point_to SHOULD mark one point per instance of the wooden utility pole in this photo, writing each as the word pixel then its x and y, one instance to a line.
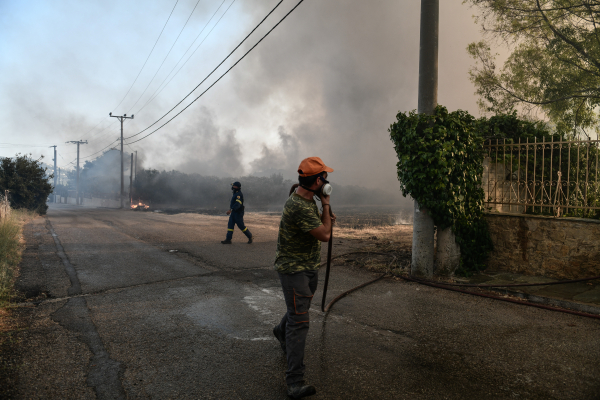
pixel 136 165
pixel 78 142
pixel 121 118
pixel 131 181
pixel 423 227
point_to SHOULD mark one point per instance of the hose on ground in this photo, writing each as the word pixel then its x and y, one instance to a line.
pixel 448 287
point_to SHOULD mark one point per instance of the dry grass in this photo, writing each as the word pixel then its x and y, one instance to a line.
pixel 11 247
pixel 4 208
pixel 387 247
pixel 401 234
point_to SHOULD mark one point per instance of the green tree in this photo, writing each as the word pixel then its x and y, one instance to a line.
pixel 554 64
pixel 27 182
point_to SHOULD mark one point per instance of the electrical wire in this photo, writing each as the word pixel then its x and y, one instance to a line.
pixel 134 81
pixel 111 143
pixel 96 135
pixel 147 58
pixel 161 87
pixel 207 76
pixel 165 59
pixel 91 155
pixel 7 145
pixel 214 83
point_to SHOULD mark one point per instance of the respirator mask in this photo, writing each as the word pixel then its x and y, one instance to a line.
pixel 325 190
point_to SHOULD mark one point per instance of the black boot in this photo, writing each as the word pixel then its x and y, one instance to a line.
pixel 280 336
pixel 250 239
pixel 299 390
pixel 226 241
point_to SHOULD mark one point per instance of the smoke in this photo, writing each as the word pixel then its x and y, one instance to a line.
pixel 280 159
pixel 205 147
pixel 101 177
pixel 327 82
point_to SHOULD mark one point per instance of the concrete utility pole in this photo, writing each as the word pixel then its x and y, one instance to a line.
pixel 78 142
pixel 54 159
pixel 121 118
pixel 423 228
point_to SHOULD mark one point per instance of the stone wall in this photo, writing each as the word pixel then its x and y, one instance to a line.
pixel 561 248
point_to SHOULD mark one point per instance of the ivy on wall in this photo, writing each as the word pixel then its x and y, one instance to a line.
pixel 440 164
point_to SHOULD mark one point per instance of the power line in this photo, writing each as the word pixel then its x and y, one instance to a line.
pixel 105 128
pixel 225 59
pixel 6 145
pixel 111 143
pixel 136 78
pixel 147 58
pixel 91 155
pixel 161 87
pixel 165 59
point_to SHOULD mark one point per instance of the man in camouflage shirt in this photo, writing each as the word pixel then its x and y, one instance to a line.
pixel 301 231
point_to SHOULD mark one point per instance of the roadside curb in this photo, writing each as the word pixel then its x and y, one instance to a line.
pixel 549 301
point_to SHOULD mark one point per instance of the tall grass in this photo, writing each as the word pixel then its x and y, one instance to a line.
pixel 11 224
pixel 10 255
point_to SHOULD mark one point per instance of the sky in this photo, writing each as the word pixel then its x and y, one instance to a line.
pixel 327 81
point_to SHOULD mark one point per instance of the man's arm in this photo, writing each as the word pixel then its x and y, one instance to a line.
pixel 236 204
pixel 323 232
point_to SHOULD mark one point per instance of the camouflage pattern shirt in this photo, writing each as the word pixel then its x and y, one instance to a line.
pixel 297 249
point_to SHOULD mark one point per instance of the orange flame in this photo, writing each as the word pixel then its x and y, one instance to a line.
pixel 139 206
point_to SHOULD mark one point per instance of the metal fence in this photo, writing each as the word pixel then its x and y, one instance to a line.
pixel 548 177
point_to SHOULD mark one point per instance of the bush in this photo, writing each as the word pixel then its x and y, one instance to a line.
pixel 26 181
pixel 440 164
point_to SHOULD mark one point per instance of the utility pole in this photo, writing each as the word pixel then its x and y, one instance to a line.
pixel 131 180
pixel 78 142
pixel 423 227
pixel 54 159
pixel 121 118
pixel 136 165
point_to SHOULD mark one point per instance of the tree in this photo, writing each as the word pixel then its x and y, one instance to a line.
pixel 27 182
pixel 554 66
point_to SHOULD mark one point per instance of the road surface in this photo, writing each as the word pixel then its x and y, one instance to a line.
pixel 148 305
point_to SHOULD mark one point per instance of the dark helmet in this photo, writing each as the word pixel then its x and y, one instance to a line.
pixel 236 184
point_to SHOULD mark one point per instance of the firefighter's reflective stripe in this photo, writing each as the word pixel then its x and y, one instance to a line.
pixel 231 230
pixel 239 201
pixel 244 229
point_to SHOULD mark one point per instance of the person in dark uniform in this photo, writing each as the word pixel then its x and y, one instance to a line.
pixel 236 214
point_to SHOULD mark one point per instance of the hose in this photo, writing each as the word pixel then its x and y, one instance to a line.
pixel 477 285
pixel 447 287
pixel 429 283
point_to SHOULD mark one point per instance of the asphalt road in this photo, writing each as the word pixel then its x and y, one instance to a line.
pixel 148 305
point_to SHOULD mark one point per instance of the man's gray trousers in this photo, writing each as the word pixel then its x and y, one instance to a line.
pixel 298 290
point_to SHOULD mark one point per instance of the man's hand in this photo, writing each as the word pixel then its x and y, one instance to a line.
pixel 228 212
pixel 333 218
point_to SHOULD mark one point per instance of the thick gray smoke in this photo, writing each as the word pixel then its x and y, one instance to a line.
pixel 283 159
pixel 333 76
pixel 327 82
pixel 204 147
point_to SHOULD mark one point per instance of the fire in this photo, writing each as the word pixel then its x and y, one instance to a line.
pixel 139 206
